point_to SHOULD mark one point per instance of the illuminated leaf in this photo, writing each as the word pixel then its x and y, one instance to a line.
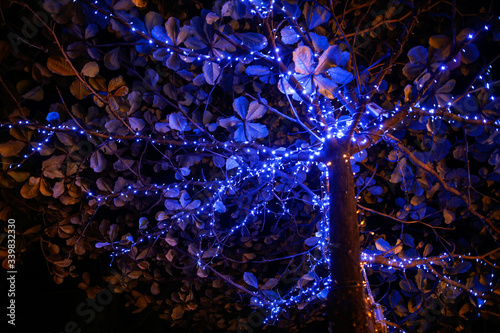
pixel 382 245
pixel 90 69
pixel 60 65
pixel 303 58
pixel 79 90
pixel 31 188
pixel 250 279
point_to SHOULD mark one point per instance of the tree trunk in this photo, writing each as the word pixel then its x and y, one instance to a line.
pixel 346 307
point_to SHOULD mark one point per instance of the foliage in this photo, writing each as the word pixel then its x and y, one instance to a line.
pixel 187 150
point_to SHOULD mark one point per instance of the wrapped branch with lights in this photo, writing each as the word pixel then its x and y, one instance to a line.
pixel 302 158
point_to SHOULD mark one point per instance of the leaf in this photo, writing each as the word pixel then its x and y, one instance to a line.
pixel 302 57
pixel 171 192
pixel 255 111
pixel 320 43
pixel 382 245
pixel 123 164
pixel 340 76
pixel 91 30
pixel 251 280
pixel 35 94
pixel 256 70
pixel 219 207
pixel 31 188
pixel 240 106
pixel 98 162
pixel 289 35
pixel 58 189
pixel 325 86
pixel 178 122
pixel 439 41
pixel 178 312
pixel 375 190
pixel 79 90
pixel 136 124
pixel 252 40
pixel 420 279
pixel 11 148
pixel 332 56
pixel 311 241
pixel 151 77
pixel 52 167
pixel 394 298
pixel 211 71
pixel 470 53
pixel 152 19
pixel 427 250
pixel 228 122
pixel 116 83
pixel 60 65
pixel 219 161
pixel 91 69
pixel 270 283
pixel 112 59
pixel 449 216
pixel 172 204
pixel 250 131
pixel 408 240
pixel 315 15
pixel 19 176
pixel 459 267
pixel 140 3
pixel 231 163
pixel 418 55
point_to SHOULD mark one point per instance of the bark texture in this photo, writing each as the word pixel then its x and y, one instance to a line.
pixel 346 307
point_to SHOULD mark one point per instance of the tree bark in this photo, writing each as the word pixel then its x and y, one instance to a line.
pixel 346 307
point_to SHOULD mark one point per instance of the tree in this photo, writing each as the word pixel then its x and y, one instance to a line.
pixel 314 157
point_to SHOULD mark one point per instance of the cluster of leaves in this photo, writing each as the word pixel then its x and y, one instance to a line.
pixel 165 140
